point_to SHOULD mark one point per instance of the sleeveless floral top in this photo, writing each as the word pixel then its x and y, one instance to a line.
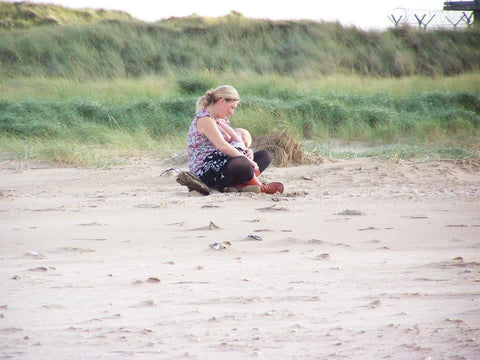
pixel 199 146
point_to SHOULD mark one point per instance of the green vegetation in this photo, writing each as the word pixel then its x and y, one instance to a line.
pixel 25 14
pixel 98 93
pixel 100 121
pixel 115 49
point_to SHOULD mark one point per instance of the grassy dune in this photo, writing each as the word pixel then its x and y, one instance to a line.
pixel 98 93
pixel 115 49
pixel 24 15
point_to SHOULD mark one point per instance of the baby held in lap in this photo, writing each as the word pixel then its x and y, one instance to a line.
pixel 245 136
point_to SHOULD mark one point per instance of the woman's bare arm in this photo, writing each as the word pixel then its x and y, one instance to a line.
pixel 207 127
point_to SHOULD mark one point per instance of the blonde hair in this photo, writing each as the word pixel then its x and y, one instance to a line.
pixel 212 96
pixel 245 135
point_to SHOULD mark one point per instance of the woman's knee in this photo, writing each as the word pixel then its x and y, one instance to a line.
pixel 263 155
pixel 240 168
pixel 263 158
pixel 242 162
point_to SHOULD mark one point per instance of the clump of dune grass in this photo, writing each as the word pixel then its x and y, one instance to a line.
pixel 284 147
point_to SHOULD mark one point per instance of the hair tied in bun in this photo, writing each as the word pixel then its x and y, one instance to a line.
pixel 209 96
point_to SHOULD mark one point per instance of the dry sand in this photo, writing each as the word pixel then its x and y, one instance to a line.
pixel 359 259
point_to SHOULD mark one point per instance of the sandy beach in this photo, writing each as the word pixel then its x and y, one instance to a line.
pixel 358 259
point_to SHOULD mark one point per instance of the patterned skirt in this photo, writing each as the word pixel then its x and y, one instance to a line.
pixel 214 171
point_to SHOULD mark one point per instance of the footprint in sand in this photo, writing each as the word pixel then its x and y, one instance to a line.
pixel 150 280
pixel 150 206
pixel 316 242
pixel 181 223
pixel 146 303
pixel 10 330
pixel 368 228
pixel 273 208
pixel 93 223
pixel 42 269
pixel 253 220
pixel 73 249
pixel 416 217
pixel 53 306
pixel 324 256
pixel 374 304
pixel 349 212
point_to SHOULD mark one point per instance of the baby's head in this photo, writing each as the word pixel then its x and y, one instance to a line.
pixel 245 135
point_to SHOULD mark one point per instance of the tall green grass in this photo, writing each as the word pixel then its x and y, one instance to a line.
pixel 113 49
pixel 121 90
pixel 61 120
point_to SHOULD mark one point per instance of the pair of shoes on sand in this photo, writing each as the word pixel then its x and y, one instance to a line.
pixel 268 188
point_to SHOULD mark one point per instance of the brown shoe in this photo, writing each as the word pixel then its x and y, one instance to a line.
pixel 272 188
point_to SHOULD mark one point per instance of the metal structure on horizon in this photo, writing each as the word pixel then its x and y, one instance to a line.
pixel 455 15
pixel 464 6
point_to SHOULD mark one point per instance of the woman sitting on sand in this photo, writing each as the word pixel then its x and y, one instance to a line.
pixel 216 153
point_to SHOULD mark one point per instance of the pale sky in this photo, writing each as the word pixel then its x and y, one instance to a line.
pixel 366 14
